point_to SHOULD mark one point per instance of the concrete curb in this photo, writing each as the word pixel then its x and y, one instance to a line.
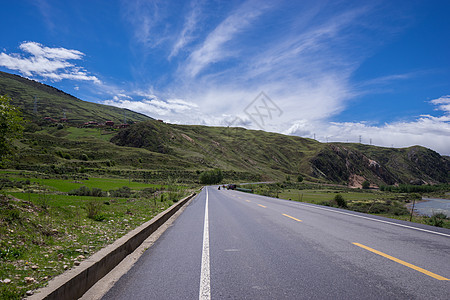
pixel 75 282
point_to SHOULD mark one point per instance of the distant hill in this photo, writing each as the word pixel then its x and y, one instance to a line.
pixel 153 149
pixel 53 103
pixel 273 155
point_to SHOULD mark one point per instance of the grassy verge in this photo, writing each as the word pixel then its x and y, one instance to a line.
pixel 43 234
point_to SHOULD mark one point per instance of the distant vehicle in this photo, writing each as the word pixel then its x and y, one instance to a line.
pixel 231 187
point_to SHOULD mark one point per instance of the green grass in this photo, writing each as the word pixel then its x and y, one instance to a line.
pixel 53 102
pixel 66 185
pixel 75 133
pixel 44 231
pixel 318 196
pixel 103 183
pixel 42 235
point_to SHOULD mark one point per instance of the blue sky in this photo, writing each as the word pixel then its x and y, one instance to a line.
pixel 333 70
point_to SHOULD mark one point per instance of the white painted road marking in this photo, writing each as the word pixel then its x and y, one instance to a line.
pixel 205 286
pixel 381 221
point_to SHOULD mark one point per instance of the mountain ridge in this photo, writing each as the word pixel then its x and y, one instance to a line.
pixel 156 146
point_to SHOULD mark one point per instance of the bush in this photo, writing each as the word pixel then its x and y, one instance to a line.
pixel 93 209
pixel 124 192
pixel 63 154
pixel 409 188
pixel 437 219
pixel 84 157
pixel 340 201
pixel 366 185
pixel 299 178
pixel 85 191
pixel 211 177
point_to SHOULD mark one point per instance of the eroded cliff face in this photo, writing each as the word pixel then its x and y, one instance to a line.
pixel 347 165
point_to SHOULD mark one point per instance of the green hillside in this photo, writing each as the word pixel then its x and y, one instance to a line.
pixel 153 150
pixel 274 156
pixel 54 103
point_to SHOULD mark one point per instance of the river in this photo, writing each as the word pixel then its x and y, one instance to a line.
pixel 430 206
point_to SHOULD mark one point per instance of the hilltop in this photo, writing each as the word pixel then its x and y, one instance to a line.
pixel 55 103
pixel 151 149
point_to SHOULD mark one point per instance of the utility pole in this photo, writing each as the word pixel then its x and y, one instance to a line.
pixel 412 210
pixel 360 138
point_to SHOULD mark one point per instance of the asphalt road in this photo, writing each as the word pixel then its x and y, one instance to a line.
pixel 257 247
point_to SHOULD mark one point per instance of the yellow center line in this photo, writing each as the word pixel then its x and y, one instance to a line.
pixel 438 277
pixel 247 200
pixel 262 205
pixel 292 218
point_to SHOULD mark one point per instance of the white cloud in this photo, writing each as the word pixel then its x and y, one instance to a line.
pixel 46 62
pixel 428 131
pixel 155 107
pixel 443 103
pixel 39 50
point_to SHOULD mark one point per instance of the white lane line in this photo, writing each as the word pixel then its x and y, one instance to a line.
pixel 376 220
pixel 205 286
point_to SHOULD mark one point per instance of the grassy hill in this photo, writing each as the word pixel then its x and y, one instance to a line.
pixel 275 156
pixel 53 103
pixel 153 150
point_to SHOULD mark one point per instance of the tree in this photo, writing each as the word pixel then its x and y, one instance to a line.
pixel 211 177
pixel 299 178
pixel 366 185
pixel 11 126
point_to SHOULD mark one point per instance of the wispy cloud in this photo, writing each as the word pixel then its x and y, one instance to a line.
pixel 46 10
pixel 306 72
pixel 190 24
pixel 46 62
pixel 145 17
pixel 213 49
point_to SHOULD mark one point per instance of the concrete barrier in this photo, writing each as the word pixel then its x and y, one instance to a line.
pixel 75 282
